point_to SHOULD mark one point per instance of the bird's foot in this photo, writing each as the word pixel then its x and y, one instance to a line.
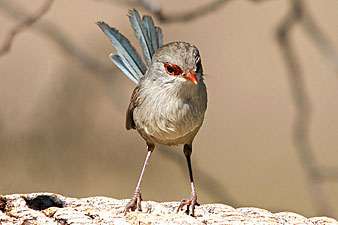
pixel 134 203
pixel 190 203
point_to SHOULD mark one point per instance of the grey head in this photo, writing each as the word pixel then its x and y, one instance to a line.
pixel 176 62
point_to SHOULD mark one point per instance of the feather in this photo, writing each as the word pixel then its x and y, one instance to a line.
pixel 128 55
pixel 149 27
pixel 141 35
pixel 127 58
pixel 159 36
pixel 120 64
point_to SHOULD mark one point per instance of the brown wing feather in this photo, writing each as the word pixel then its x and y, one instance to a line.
pixel 130 123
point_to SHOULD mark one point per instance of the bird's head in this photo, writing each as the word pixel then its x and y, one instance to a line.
pixel 178 62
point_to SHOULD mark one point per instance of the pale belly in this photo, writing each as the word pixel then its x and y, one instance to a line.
pixel 169 136
pixel 173 125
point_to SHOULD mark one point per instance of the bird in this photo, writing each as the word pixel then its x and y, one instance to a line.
pixel 169 101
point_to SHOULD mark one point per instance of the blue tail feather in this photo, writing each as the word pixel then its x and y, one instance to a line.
pixel 148 25
pixel 141 35
pixel 122 65
pixel 124 49
pixel 159 36
pixel 127 58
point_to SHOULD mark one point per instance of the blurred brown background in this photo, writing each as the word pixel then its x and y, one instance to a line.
pixel 62 120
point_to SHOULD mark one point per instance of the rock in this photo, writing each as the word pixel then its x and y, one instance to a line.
pixel 49 208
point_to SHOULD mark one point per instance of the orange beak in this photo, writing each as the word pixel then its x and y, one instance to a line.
pixel 190 75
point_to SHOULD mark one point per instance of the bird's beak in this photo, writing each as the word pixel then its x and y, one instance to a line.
pixel 190 75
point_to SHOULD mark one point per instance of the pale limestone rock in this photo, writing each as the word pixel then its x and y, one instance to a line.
pixel 49 208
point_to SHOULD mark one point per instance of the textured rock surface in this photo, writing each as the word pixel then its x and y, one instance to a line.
pixel 49 208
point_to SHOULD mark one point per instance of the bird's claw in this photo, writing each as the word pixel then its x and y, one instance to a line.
pixel 190 203
pixel 134 203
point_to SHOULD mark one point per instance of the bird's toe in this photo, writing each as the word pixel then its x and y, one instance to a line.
pixel 190 203
pixel 134 203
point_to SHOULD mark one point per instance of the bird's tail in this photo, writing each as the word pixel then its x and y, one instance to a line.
pixel 127 58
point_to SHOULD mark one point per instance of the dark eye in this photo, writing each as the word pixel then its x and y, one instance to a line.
pixel 172 69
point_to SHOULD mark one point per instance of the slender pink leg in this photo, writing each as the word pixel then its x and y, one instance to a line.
pixel 135 201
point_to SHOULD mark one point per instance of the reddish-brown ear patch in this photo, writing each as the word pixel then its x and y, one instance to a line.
pixel 172 69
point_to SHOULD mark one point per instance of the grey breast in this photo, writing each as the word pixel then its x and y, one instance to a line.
pixel 169 114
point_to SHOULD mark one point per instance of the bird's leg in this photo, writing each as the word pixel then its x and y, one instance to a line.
pixel 135 201
pixel 192 201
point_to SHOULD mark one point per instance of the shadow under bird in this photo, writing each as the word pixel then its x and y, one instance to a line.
pixel 168 104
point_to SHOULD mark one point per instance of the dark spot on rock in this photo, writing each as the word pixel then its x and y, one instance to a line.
pixel 28 222
pixel 210 210
pixel 3 203
pixel 91 216
pixel 62 221
pixel 43 202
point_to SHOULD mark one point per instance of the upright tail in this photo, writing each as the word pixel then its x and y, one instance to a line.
pixel 127 58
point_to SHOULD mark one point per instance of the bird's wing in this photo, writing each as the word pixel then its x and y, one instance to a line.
pixel 149 36
pixel 127 58
pixel 134 102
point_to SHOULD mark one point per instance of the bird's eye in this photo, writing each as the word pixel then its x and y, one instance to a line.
pixel 172 69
